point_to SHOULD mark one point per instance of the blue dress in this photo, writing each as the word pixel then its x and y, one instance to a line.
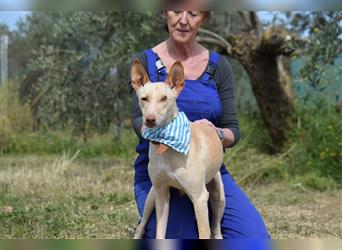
pixel 199 99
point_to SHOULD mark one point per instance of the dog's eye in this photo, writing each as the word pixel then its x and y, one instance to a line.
pixel 145 99
pixel 163 99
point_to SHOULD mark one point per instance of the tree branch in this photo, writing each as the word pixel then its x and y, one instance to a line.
pixel 215 39
pixel 254 21
pixel 206 39
pixel 277 40
pixel 251 21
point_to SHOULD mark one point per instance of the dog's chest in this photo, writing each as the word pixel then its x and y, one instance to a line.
pixel 162 168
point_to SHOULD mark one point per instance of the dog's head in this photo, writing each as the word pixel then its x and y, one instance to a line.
pixel 157 100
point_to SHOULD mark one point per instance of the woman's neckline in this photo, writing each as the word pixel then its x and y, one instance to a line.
pixel 202 74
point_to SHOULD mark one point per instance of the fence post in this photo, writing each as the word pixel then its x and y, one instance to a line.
pixel 4 59
pixel 3 91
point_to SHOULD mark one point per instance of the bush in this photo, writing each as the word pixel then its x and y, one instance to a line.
pixel 252 161
pixel 17 136
pixel 317 140
pixel 15 118
pixel 312 157
pixel 315 181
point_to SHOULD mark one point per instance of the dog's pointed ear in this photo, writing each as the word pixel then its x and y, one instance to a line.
pixel 139 75
pixel 175 78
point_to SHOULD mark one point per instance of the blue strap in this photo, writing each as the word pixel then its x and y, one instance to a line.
pixel 213 60
pixel 151 61
pixel 156 68
pixel 161 69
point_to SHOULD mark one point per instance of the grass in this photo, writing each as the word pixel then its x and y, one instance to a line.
pixel 49 197
pixel 63 197
pixel 312 156
pixel 291 211
pixel 57 142
pixel 88 191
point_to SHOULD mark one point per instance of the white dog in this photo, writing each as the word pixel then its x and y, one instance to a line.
pixel 191 165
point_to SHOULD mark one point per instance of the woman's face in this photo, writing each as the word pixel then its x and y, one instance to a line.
pixel 183 25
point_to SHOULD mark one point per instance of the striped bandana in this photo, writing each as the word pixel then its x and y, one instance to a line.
pixel 175 134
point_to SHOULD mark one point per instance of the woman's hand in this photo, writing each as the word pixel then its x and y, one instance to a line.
pixel 205 121
pixel 209 123
pixel 228 134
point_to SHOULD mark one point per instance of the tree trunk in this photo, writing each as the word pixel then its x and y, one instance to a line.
pixel 273 97
pixel 266 59
pixel 267 64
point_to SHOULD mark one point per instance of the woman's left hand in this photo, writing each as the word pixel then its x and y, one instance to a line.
pixel 228 134
pixel 205 121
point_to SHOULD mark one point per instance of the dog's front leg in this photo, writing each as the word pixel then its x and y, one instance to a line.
pixel 162 210
pixel 200 201
pixel 148 208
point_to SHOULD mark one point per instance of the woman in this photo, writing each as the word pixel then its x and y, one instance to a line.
pixel 207 98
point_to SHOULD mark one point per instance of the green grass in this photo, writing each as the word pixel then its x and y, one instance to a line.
pixel 44 197
pixel 54 143
pixel 55 185
pixel 53 197
pixel 311 158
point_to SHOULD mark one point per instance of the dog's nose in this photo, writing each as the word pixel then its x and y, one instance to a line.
pixel 150 121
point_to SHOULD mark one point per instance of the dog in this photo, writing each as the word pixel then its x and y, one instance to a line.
pixel 194 173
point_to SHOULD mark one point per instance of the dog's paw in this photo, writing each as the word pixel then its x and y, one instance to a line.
pixel 139 233
pixel 217 236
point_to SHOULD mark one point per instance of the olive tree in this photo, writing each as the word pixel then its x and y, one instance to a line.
pixel 83 73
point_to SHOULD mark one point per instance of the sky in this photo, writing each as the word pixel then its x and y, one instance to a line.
pixel 15 4
pixel 10 18
pixel 224 4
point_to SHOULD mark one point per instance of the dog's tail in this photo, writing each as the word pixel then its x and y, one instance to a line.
pixel 148 208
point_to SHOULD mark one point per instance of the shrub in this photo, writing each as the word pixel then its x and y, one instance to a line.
pixel 317 139
pixel 313 154
pixel 315 181
pixel 15 118
pixel 17 136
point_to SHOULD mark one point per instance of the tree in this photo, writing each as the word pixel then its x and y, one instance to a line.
pixel 265 55
pixel 79 72
pixel 82 75
pixel 321 45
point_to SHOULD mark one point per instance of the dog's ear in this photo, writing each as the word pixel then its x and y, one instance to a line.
pixel 139 75
pixel 175 78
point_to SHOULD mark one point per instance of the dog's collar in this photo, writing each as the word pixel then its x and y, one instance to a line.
pixel 175 134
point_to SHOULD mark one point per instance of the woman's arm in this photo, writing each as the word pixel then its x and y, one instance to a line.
pixel 225 85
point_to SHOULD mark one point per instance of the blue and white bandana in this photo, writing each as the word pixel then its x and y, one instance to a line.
pixel 175 134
